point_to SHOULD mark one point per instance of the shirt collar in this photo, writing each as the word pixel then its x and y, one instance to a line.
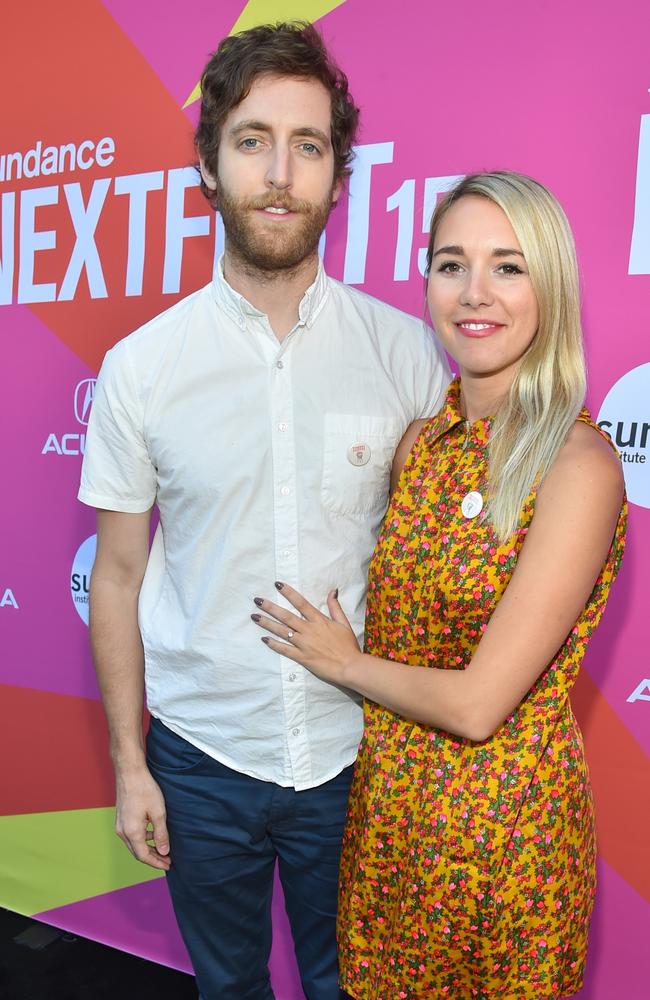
pixel 238 308
pixel 450 416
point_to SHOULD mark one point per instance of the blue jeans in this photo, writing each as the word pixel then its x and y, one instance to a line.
pixel 226 832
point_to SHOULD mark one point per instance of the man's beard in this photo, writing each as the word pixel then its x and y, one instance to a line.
pixel 271 249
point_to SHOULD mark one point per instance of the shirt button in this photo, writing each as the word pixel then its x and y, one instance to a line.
pixel 286 553
pixel 282 426
pixel 279 364
pixel 292 677
pixel 295 732
pixel 285 491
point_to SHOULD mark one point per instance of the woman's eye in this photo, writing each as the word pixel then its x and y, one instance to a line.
pixel 510 269
pixel 449 267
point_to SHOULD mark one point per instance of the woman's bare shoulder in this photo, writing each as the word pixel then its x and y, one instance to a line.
pixel 587 470
pixel 401 454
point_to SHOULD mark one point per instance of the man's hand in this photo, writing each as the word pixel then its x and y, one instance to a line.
pixel 140 819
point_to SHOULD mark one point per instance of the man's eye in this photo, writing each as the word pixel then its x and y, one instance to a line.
pixel 309 147
pixel 250 143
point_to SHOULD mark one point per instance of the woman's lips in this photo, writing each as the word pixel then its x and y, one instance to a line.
pixel 477 328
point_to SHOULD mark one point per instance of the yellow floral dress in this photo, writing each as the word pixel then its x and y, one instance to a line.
pixel 468 869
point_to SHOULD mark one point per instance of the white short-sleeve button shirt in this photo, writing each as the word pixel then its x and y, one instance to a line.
pixel 267 462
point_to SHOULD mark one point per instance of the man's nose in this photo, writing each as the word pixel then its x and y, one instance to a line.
pixel 279 172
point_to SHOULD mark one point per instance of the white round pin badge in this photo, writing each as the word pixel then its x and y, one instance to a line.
pixel 472 504
pixel 359 454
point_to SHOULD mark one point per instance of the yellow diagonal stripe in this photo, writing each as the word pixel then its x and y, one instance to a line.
pixel 268 11
pixel 52 859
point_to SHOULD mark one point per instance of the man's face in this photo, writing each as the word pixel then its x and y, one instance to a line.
pixel 275 183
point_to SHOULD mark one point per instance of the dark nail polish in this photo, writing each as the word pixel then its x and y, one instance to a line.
pixel 259 601
pixel 279 585
pixel 265 638
pixel 256 618
pixel 336 594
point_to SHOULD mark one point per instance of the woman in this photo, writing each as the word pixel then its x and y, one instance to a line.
pixel 468 865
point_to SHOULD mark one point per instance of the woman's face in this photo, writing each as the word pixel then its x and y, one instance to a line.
pixel 480 295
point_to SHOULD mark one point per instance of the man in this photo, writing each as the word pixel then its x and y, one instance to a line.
pixel 260 415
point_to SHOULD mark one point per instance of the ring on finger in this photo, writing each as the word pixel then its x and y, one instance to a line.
pixel 290 634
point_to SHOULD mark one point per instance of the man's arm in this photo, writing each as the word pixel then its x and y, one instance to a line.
pixel 120 563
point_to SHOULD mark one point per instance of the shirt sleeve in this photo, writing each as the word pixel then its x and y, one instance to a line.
pixel 431 375
pixel 117 471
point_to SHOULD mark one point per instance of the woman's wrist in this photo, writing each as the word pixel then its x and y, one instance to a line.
pixel 352 671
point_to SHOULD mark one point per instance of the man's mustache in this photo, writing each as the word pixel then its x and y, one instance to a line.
pixel 282 201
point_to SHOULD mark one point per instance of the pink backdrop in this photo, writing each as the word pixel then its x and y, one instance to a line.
pixel 90 247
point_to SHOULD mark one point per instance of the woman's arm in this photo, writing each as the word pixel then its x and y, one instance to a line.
pixel 575 517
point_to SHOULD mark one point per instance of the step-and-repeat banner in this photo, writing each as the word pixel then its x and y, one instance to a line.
pixel 103 226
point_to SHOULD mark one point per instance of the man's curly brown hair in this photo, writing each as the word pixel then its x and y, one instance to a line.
pixel 284 49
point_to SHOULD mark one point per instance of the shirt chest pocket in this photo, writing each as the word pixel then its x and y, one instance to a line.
pixel 357 457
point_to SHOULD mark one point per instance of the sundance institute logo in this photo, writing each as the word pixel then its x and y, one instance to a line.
pixel 80 576
pixel 625 416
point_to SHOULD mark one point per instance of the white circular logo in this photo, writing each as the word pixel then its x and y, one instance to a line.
pixel 82 565
pixel 359 454
pixel 472 504
pixel 625 416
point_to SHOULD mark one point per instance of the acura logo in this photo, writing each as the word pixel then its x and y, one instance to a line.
pixel 83 399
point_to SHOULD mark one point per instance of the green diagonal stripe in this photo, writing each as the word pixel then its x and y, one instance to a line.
pixel 268 11
pixel 56 858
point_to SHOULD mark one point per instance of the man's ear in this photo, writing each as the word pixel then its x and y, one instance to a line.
pixel 208 179
pixel 336 190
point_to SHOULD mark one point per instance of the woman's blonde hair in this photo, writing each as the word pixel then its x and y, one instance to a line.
pixel 548 389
